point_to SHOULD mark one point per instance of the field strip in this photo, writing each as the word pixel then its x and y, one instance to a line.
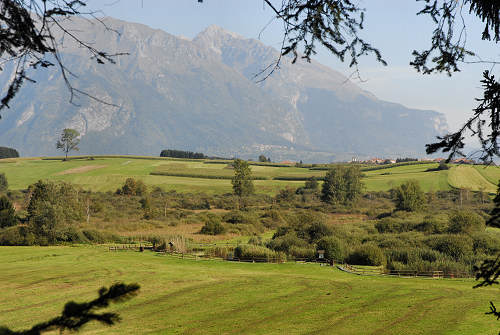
pixel 469 178
pixel 81 169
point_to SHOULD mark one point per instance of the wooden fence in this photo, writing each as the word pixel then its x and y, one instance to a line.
pixel 366 271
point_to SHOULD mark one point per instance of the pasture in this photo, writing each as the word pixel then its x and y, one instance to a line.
pixel 108 173
pixel 216 297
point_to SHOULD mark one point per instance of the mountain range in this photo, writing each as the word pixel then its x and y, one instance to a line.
pixel 203 95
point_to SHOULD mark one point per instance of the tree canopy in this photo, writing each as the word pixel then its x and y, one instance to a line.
pixel 6 152
pixel 69 141
pixel 242 180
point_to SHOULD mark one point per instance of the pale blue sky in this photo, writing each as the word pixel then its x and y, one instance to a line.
pixel 391 25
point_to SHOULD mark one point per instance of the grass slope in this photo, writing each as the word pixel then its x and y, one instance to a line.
pixel 215 297
pixel 469 177
pixel 490 173
pixel 385 179
pixel 109 173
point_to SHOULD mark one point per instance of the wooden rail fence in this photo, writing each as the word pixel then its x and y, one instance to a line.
pixel 340 265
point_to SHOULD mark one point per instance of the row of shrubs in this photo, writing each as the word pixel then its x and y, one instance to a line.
pixel 22 235
pixel 202 176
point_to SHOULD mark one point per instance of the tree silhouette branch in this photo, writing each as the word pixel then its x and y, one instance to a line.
pixel 75 315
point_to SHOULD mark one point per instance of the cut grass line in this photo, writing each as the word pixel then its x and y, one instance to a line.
pixel 467 177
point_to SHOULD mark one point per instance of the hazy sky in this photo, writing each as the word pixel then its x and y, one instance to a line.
pixel 391 25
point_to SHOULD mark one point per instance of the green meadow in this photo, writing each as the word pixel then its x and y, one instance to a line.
pixel 216 297
pixel 109 173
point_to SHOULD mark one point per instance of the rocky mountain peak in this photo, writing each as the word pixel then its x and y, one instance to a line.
pixel 201 95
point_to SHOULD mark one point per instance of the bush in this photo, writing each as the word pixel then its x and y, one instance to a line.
pixel 272 218
pixel 318 230
pixel 284 243
pixel 258 253
pixel 409 196
pixel 240 217
pixel 466 222
pixel 213 226
pixel 255 240
pixel 342 185
pixel 333 247
pixel 222 252
pixel 286 194
pixel 12 236
pixel 71 235
pixel 132 187
pixel 455 246
pixel 307 253
pixel 98 237
pixel 484 243
pixel 367 254
pixel 4 185
pixel 312 184
pixel 393 225
pixel 432 225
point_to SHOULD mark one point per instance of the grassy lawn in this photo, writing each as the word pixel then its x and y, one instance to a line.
pixel 215 297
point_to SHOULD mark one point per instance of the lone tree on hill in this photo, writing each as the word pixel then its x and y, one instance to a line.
pixel 69 141
pixel 76 315
pixel 242 180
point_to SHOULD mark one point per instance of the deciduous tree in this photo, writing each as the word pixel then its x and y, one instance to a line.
pixel 409 196
pixel 242 180
pixel 68 141
pixel 342 185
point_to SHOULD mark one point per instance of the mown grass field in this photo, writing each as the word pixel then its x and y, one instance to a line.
pixel 107 174
pixel 216 297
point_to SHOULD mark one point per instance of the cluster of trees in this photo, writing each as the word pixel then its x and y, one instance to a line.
pixel 182 154
pixel 406 159
pixel 342 185
pixel 264 159
pixel 51 214
pixel 6 152
pixel 132 187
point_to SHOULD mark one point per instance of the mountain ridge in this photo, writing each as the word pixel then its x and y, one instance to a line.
pixel 201 95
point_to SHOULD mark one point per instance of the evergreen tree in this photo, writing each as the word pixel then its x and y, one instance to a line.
pixel 7 213
pixel 494 220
